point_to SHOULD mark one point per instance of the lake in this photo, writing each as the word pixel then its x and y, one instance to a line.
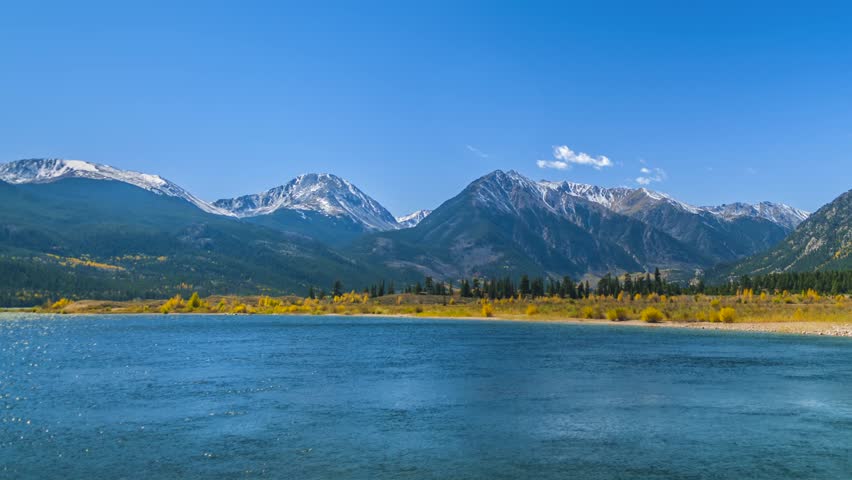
pixel 193 396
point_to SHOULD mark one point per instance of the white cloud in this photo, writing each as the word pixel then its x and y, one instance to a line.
pixel 479 153
pixel 565 157
pixel 651 176
pixel 552 164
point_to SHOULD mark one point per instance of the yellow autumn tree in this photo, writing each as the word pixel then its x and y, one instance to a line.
pixel 172 304
pixel 194 302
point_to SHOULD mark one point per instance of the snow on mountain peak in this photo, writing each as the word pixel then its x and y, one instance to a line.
pixel 324 193
pixel 48 170
pixel 412 219
pixel 779 213
pixel 501 191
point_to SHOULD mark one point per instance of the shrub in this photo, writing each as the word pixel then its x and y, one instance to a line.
pixel 715 302
pixel 727 315
pixel 590 312
pixel 532 309
pixel 617 314
pixel 222 306
pixel 713 316
pixel 62 303
pixel 652 315
pixel 487 310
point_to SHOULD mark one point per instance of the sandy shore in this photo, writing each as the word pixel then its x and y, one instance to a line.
pixel 796 328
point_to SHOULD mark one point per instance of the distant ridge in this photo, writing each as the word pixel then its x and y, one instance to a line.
pixel 822 242
pixel 320 226
pixel 47 170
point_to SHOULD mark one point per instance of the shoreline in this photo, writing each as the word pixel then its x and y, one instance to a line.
pixel 833 329
pixel 813 328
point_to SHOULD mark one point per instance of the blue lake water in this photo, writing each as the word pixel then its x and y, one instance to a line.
pixel 163 397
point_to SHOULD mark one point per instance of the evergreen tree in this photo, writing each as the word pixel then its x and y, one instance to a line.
pixel 466 292
pixel 658 281
pixel 524 288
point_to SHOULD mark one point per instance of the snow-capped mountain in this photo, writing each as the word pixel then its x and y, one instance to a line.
pixel 779 213
pixel 412 219
pixel 505 223
pixel 47 170
pixel 713 234
pixel 626 200
pixel 323 193
pixel 823 242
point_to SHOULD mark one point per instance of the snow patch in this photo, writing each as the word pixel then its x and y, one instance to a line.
pixel 413 218
pixel 47 170
pixel 323 193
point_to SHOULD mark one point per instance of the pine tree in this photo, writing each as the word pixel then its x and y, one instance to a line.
pixel 658 281
pixel 524 288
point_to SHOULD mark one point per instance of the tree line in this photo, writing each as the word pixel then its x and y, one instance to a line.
pixel 835 282
pixel 525 286
pixel 830 282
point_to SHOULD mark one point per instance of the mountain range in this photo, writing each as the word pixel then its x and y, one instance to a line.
pixel 822 242
pixel 82 221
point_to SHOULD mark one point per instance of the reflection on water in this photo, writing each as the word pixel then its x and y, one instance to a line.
pixel 154 397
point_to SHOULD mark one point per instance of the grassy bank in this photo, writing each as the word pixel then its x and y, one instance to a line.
pixel 744 308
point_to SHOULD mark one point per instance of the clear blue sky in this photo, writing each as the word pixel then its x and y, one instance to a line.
pixel 412 100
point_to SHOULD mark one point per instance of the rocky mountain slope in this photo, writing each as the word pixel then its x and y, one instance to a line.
pixel 822 242
pixel 322 193
pixel 49 170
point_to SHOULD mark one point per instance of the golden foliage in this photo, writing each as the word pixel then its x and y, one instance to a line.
pixel 60 304
pixel 652 315
pixel 727 315
pixel 618 314
pixel 172 304
pixel 194 302
pixel 591 312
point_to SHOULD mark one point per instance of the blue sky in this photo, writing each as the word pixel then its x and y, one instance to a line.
pixel 718 102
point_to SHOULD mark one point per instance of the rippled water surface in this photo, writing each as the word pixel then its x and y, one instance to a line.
pixel 162 397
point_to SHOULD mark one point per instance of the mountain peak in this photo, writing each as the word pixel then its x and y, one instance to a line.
pixel 413 218
pixel 323 193
pixel 45 170
pixel 48 170
pixel 779 213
